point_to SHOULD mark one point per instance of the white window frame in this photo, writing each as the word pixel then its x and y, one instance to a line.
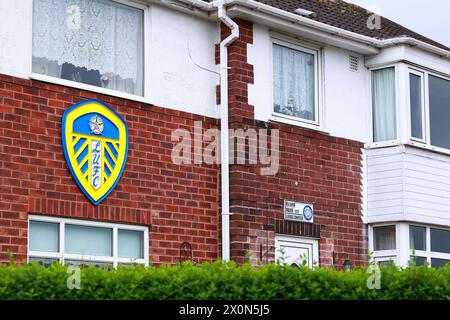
pixel 402 254
pixel 319 108
pixel 111 92
pixel 114 259
pixel 427 253
pixel 426 143
pixel 313 259
pixel 384 255
pixel 396 141
pixel 424 106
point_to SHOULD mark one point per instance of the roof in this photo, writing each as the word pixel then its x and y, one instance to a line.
pixel 350 17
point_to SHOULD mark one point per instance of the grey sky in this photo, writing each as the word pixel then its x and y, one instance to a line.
pixel 427 17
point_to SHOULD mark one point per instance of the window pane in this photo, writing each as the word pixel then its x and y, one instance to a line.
pixel 417 238
pixel 104 265
pixel 440 240
pixel 44 236
pixel 44 261
pixel 294 83
pixel 415 93
pixel 385 261
pixel 418 261
pixel 131 244
pixel 383 101
pixel 86 240
pixel 96 42
pixel 437 263
pixel 439 112
pixel 384 238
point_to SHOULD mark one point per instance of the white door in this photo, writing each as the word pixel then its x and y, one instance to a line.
pixel 296 249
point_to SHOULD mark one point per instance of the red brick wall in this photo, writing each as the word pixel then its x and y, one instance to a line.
pixel 314 168
pixel 178 203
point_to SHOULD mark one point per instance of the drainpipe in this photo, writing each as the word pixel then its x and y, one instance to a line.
pixel 224 154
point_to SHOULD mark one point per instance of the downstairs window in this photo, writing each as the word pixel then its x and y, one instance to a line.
pixel 85 242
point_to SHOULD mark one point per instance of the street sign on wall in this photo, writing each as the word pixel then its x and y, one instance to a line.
pixel 298 211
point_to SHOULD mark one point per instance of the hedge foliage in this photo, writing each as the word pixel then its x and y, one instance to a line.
pixel 220 280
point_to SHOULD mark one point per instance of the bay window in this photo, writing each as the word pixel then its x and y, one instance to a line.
pixel 384 105
pixel 85 242
pixel 93 42
pixel 295 82
pixel 405 243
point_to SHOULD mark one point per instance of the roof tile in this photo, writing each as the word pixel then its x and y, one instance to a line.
pixel 349 17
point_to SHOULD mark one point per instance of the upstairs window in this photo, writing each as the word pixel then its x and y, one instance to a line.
pixel 295 83
pixel 439 95
pixel 94 42
pixel 383 105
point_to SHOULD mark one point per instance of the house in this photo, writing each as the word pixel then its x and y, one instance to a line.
pixel 339 116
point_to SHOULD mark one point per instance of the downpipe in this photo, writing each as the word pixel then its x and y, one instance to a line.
pixel 224 143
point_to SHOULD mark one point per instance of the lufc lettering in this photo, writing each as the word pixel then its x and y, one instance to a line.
pixel 228 309
pixel 96 164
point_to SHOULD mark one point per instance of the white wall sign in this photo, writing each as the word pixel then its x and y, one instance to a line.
pixel 298 211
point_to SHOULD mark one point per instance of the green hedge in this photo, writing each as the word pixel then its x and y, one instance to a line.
pixel 222 281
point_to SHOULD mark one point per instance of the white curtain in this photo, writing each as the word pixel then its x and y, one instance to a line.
pixel 384 238
pixel 98 35
pixel 294 83
pixel 383 95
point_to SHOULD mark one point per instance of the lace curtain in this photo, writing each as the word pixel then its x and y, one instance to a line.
pixel 383 95
pixel 99 35
pixel 294 82
pixel 384 238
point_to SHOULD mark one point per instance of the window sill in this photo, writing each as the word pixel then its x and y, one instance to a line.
pixel 439 153
pixel 384 253
pixel 384 144
pixel 428 147
pixel 297 123
pixel 87 87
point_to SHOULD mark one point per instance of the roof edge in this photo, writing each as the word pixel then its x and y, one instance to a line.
pixel 257 6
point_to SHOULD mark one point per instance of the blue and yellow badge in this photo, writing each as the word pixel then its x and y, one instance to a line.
pixel 95 144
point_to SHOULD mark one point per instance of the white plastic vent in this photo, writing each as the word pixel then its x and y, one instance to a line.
pixel 303 12
pixel 353 63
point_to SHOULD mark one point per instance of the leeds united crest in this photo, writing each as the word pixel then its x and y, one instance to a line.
pixel 95 144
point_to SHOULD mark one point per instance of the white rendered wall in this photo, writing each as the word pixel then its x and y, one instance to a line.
pixel 175 81
pixel 346 103
pixel 15 37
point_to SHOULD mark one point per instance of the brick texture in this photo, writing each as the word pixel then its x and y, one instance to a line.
pixel 314 168
pixel 177 202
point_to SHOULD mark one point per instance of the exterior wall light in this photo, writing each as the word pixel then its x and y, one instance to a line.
pixel 347 266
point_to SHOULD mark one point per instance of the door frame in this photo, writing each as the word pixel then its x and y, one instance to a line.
pixel 297 240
